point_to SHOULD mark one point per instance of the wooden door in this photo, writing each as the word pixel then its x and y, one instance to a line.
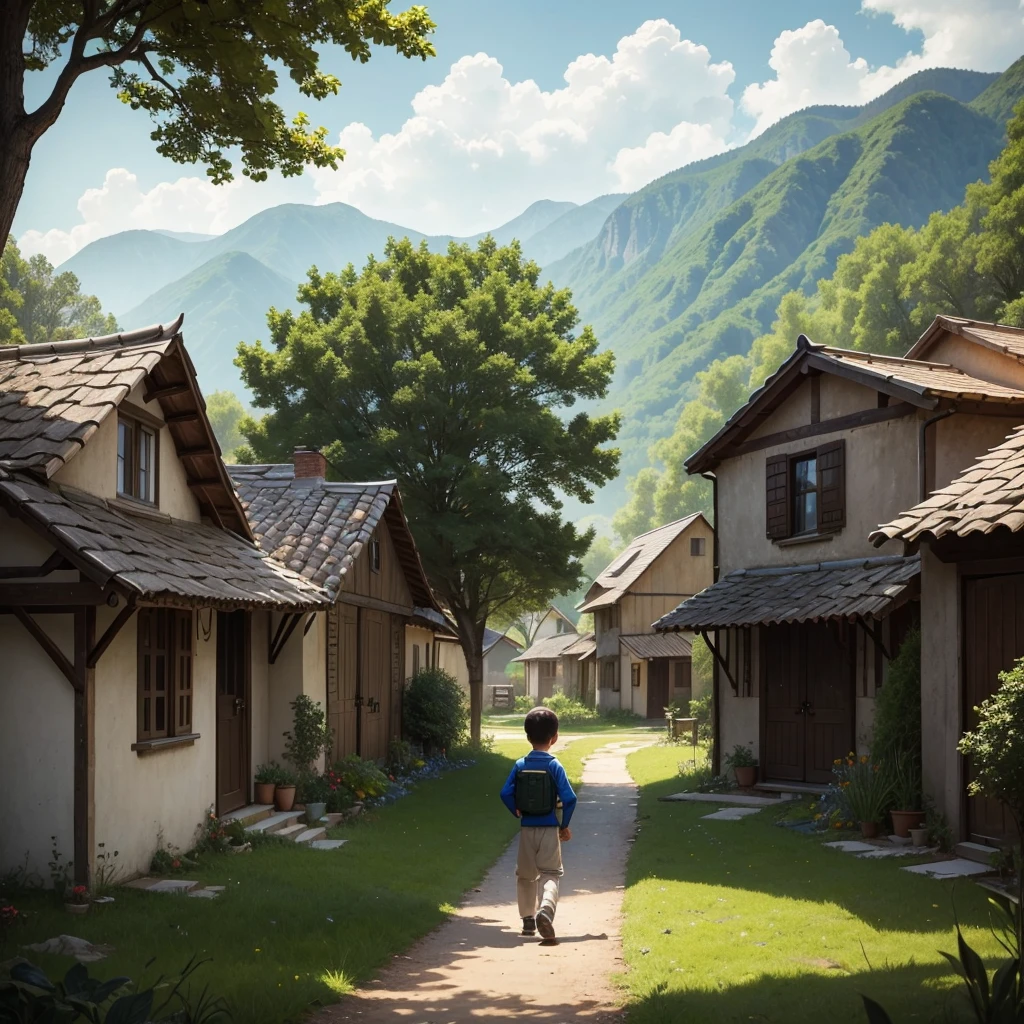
pixel 829 717
pixel 342 677
pixel 394 730
pixel 657 687
pixel 374 683
pixel 807 715
pixel 232 711
pixel 993 641
pixel 782 698
pixel 546 675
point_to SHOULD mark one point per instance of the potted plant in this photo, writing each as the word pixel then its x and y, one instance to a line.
pixel 919 836
pixel 77 900
pixel 284 790
pixel 906 794
pixel 865 791
pixel 315 793
pixel 266 782
pixel 744 764
pixel 310 737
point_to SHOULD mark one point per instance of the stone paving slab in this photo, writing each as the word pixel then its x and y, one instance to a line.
pixel 723 798
pixel 851 846
pixel 731 814
pixel 161 884
pixel 957 868
pixel 899 851
pixel 327 844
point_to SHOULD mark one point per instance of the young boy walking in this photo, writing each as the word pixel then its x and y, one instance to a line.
pixel 538 793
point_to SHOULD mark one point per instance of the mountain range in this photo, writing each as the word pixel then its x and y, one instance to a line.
pixel 684 271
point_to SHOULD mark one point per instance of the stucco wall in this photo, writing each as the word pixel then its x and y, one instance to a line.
pixel 961 440
pixel 881 482
pixel 451 659
pixel 941 717
pixel 94 468
pixel 976 360
pixel 140 797
pixel 417 636
pixel 301 667
pixel 259 694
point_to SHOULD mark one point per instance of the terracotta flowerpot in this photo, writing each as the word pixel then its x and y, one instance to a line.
pixel 265 792
pixel 904 821
pixel 869 829
pixel 284 797
pixel 76 908
pixel 746 777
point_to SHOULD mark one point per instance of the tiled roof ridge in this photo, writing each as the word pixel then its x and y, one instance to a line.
pixel 878 357
pixel 868 562
pixel 73 346
pixel 664 526
pixel 338 485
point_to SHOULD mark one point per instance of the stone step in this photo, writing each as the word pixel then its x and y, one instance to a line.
pixel 791 789
pixel 249 814
pixel 290 831
pixel 274 822
pixel 977 852
pixel 310 834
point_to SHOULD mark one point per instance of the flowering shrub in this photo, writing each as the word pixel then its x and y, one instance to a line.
pixel 865 788
pixel 79 894
pixel 363 778
pixel 10 918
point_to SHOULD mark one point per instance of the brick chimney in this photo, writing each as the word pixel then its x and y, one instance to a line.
pixel 309 464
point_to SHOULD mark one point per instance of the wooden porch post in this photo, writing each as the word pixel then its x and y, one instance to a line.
pixel 84 753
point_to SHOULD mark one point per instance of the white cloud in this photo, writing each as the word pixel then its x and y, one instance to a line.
pixel 188 204
pixel 480 148
pixel 984 35
pixel 812 65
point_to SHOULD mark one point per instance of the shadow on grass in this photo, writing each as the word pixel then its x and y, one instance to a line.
pixel 757 856
pixel 834 997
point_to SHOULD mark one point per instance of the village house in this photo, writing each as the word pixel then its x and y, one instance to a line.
pixel 968 535
pixel 805 613
pixel 353 540
pixel 637 669
pixel 136 611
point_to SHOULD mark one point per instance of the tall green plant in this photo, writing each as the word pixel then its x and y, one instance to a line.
pixel 896 740
pixel 434 709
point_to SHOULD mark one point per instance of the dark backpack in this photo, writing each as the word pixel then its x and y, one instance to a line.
pixel 535 792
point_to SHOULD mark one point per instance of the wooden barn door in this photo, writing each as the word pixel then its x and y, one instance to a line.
pixel 397 679
pixel 807 701
pixel 374 682
pixel 232 711
pixel 993 641
pixel 657 687
pixel 342 671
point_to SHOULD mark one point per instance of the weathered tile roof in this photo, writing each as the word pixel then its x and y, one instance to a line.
pixel 583 648
pixel 549 648
pixel 149 556
pixel 656 645
pixel 431 618
pixel 318 529
pixel 931 379
pixel 615 580
pixel 984 497
pixel 998 337
pixel 53 397
pixel 856 588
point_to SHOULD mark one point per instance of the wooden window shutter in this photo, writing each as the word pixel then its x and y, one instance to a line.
pixel 777 497
pixel 832 487
pixel 183 673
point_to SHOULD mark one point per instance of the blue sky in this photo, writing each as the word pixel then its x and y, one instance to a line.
pixel 484 145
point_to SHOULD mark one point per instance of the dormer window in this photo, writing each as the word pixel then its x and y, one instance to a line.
pixel 136 460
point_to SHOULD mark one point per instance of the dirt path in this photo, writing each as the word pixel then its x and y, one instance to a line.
pixel 476 966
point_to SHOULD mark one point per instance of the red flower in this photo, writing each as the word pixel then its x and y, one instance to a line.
pixel 79 890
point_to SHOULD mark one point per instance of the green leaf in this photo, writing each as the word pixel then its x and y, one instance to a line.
pixel 76 979
pixel 131 1009
pixel 876 1015
pixel 29 974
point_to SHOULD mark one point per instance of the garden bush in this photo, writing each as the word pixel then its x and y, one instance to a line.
pixel 569 710
pixel 896 737
pixel 524 704
pixel 435 709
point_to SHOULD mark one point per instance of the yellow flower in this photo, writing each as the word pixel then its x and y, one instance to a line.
pixel 863 758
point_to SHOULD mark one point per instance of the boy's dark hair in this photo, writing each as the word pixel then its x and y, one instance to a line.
pixel 541 725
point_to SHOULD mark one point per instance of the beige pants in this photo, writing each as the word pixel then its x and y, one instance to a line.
pixel 538 870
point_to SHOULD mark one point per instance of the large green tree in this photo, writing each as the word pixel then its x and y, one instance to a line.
pixel 452 373
pixel 39 305
pixel 205 70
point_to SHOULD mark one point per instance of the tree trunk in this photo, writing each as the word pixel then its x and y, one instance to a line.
pixel 16 139
pixel 471 638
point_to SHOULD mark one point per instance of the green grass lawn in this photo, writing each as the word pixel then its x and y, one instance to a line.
pixel 515 721
pixel 297 927
pixel 747 921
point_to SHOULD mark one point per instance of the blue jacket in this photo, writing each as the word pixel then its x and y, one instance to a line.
pixel 538 759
